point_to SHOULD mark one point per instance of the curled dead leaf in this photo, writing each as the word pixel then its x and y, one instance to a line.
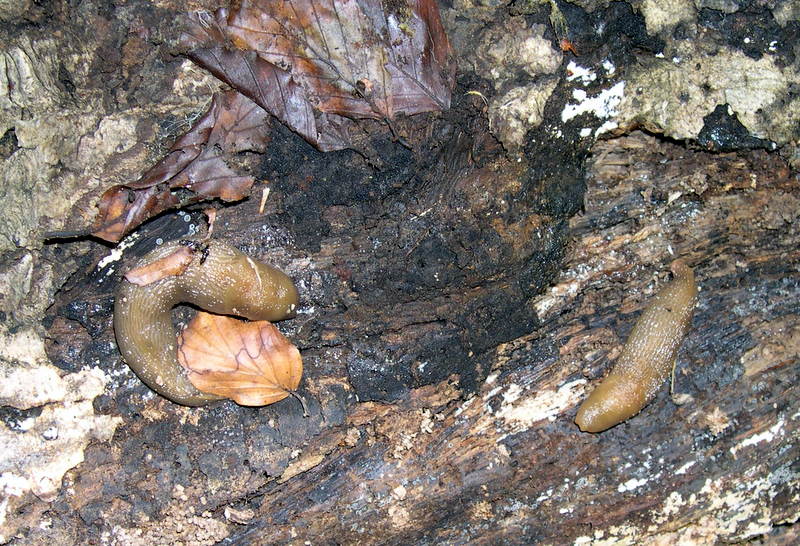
pixel 194 170
pixel 318 65
pixel 168 266
pixel 251 363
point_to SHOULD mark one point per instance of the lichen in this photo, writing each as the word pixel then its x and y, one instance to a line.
pixel 673 94
pixel 42 446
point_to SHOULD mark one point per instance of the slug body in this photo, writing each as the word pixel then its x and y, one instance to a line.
pixel 226 282
pixel 648 356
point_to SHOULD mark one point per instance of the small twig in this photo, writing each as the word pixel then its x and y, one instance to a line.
pixel 211 214
pixel 396 135
pixel 264 195
pixel 478 94
pixel 68 234
pixel 672 379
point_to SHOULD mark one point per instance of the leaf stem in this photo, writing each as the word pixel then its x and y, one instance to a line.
pixel 302 402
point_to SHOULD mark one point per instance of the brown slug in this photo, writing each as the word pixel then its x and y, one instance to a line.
pixel 648 356
pixel 222 280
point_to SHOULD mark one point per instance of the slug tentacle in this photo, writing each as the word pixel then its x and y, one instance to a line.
pixel 648 356
pixel 226 281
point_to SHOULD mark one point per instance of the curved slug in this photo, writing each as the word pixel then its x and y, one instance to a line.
pixel 225 282
pixel 648 356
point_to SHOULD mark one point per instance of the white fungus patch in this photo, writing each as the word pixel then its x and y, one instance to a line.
pixel 766 436
pixel 606 127
pixel 603 106
pixel 672 504
pixel 630 485
pixel 42 448
pixel 520 413
pixel 576 72
pixel 117 252
pixel 736 509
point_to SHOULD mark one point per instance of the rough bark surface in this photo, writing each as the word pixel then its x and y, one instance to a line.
pixel 501 460
pixel 506 464
pixel 458 302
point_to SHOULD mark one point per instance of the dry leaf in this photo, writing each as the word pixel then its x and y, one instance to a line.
pixel 169 266
pixel 251 363
pixel 318 64
pixel 195 164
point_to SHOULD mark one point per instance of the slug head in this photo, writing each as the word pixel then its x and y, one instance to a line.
pixel 261 292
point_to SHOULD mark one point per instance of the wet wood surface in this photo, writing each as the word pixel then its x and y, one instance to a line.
pixel 478 444
pixel 457 306
pixel 716 461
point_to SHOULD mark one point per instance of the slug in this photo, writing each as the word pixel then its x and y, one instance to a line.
pixel 222 280
pixel 648 356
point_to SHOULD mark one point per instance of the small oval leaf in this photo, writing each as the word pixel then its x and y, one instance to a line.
pixel 170 265
pixel 251 363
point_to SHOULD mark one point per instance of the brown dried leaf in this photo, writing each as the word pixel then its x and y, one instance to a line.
pixel 195 163
pixel 316 63
pixel 171 265
pixel 251 363
pixel 123 208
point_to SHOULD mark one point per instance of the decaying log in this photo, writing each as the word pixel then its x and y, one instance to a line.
pixel 718 461
pixel 463 288
pixel 500 460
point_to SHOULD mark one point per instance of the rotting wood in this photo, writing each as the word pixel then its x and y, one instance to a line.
pixel 508 465
pixel 428 466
